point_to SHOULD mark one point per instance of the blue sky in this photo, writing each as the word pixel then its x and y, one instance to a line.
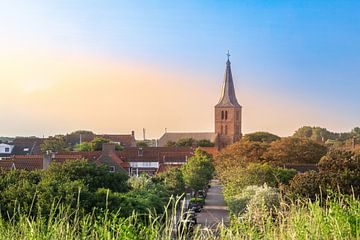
pixel 305 53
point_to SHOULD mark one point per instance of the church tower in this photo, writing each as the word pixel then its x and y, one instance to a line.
pixel 227 112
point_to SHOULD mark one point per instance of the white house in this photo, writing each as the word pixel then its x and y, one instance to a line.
pixel 5 150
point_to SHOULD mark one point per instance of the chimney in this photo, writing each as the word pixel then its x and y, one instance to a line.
pixel 133 133
pixel 108 148
pixel 47 159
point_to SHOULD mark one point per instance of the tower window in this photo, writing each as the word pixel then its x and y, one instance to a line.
pixel 222 115
pixel 222 129
pixel 225 129
pixel 226 115
pixel 237 115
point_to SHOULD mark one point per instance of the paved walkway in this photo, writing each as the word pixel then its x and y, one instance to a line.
pixel 215 210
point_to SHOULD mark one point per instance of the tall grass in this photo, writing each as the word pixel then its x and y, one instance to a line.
pixel 334 218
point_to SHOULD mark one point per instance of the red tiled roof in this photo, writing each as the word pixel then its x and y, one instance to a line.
pixel 29 164
pixel 211 150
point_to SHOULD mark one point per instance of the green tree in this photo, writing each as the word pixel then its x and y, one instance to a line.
pixel 173 181
pixel 236 179
pixel 295 150
pixel 198 170
pixel 204 143
pixel 261 137
pixel 83 147
pixel 96 144
pixel 142 144
pixel 53 144
pixel 170 144
pixel 238 154
pixel 185 142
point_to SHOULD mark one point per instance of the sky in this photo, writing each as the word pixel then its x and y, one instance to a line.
pixel 118 66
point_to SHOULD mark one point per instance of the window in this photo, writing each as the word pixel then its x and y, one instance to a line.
pixel 225 129
pixel 26 149
pixel 222 115
pixel 7 149
pixel 226 115
pixel 237 115
pixel 140 152
pixel 111 168
pixel 222 129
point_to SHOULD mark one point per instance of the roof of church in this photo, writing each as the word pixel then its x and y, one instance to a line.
pixel 228 97
pixel 175 136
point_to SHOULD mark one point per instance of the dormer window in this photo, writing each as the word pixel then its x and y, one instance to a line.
pixel 112 169
pixel 7 149
pixel 140 152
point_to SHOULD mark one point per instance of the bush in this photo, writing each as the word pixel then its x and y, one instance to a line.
pixel 255 174
pixel 255 202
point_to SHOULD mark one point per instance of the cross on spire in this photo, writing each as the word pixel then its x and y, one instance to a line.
pixel 228 55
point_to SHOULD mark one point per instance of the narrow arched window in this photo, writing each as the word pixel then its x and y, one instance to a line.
pixel 222 129
pixel 225 115
pixel 222 115
pixel 225 129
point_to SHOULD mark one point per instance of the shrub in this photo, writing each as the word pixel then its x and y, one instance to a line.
pixel 237 179
pixel 255 202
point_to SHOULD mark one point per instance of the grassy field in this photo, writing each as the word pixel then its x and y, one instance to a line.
pixel 337 218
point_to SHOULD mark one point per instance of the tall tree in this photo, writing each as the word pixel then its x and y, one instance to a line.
pixel 295 150
pixel 56 144
pixel 198 170
pixel 261 137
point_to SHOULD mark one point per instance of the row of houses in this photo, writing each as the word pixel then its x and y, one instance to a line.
pixel 132 160
pixel 32 145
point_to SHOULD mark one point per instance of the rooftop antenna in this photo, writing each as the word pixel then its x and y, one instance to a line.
pixel 144 134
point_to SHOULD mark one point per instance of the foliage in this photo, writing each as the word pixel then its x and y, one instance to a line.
pixel 170 144
pixel 70 183
pixel 236 179
pixel 198 170
pixel 197 201
pixel 173 181
pixel 323 135
pixel 142 144
pixel 295 150
pixel 204 143
pixel 190 142
pixel 95 145
pixel 339 171
pixel 255 202
pixel 186 142
pixel 340 219
pixel 56 144
pixel 238 155
pixel 83 147
pixel 261 137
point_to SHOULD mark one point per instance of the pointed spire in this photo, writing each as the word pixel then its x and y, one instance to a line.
pixel 228 97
